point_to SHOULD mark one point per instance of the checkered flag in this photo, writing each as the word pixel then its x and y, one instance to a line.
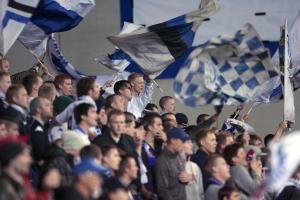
pixel 226 70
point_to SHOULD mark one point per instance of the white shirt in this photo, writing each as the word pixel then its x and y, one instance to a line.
pixel 138 103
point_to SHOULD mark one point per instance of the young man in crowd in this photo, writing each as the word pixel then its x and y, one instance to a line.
pixel 123 88
pixel 167 104
pixel 5 83
pixel 141 94
pixel 17 98
pixel 4 65
pixel 63 85
pixel 48 91
pixel 171 176
pixel 32 84
pixel 115 134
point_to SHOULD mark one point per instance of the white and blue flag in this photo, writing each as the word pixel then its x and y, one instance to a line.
pixel 226 70
pixel 14 15
pixel 155 47
pixel 52 16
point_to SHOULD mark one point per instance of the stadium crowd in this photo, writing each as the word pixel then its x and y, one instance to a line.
pixel 59 142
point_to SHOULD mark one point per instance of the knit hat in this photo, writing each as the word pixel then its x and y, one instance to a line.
pixel 60 103
pixel 72 140
pixel 10 147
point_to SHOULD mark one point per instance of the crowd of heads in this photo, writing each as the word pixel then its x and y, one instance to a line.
pixel 64 139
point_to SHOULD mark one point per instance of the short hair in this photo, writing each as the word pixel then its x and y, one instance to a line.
pixel 84 85
pixel 28 82
pixel 114 112
pixel 221 140
pixel 210 163
pixel 133 76
pixel 105 149
pixel 129 117
pixel 201 118
pixel 81 109
pixel 226 191
pixel 124 164
pixel 90 151
pixel 46 90
pixel 268 138
pixel 3 74
pixel 164 116
pixel 59 79
pixel 253 138
pixel 151 106
pixel 201 134
pixel 163 100
pixel 109 100
pixel 148 119
pixel 119 85
pixel 230 152
pixel 12 91
pixel 35 104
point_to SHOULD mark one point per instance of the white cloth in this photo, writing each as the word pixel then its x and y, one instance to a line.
pixel 194 189
pixel 68 113
pixel 138 103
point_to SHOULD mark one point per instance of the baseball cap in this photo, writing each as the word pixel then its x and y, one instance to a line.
pixel 89 165
pixel 178 133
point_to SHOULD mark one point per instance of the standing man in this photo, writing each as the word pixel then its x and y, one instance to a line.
pixel 4 65
pixel 32 84
pixel 170 171
pixel 141 94
pixel 167 104
pixel 63 85
pixel 5 83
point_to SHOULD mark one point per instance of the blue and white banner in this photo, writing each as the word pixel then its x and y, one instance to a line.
pixel 155 47
pixel 226 70
pixel 53 16
pixel 14 15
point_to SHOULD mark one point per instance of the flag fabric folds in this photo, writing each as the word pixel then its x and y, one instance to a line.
pixel 283 160
pixel 52 16
pixel 155 47
pixel 14 16
pixel 226 70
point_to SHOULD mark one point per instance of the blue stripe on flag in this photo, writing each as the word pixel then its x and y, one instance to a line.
pixel 254 44
pixel 241 68
pixel 252 83
pixel 51 17
pixel 236 84
pixel 258 67
pixel 13 16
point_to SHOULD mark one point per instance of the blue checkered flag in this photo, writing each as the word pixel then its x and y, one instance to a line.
pixel 226 70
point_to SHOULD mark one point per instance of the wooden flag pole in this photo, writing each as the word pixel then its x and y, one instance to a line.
pixel 158 86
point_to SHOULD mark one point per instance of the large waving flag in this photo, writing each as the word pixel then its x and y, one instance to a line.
pixel 14 15
pixel 52 16
pixel 228 69
pixel 155 47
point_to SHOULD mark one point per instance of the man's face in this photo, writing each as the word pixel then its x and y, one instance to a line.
pixel 3 131
pixel 112 159
pixel 116 124
pixel 156 126
pixel 170 121
pixel 188 147
pixel 21 98
pixel 209 143
pixel 221 168
pixel 91 180
pixel 133 169
pixel 138 84
pixel 38 83
pixel 95 91
pixel 235 196
pixel 12 128
pixel 4 66
pixel 22 162
pixel 178 145
pixel 240 158
pixel 66 88
pixel 139 135
pixel 46 109
pixel 170 106
pixel 126 92
pixel 91 118
pixel 118 103
pixel 5 83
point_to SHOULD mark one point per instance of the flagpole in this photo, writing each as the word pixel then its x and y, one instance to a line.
pixel 158 86
pixel 39 61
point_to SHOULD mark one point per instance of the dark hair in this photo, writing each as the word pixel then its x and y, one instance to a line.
pixel 201 118
pixel 253 138
pixel 201 134
pixel 119 85
pixel 59 79
pixel 129 117
pixel 226 191
pixel 211 161
pixel 230 152
pixel 148 119
pixel 105 149
pixel 90 151
pixel 81 109
pixel 13 91
pixel 163 100
pixel 268 138
pixel 151 106
pixel 124 164
pixel 109 100
pixel 221 140
pixel 84 85
pixel 114 112
pixel 28 82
